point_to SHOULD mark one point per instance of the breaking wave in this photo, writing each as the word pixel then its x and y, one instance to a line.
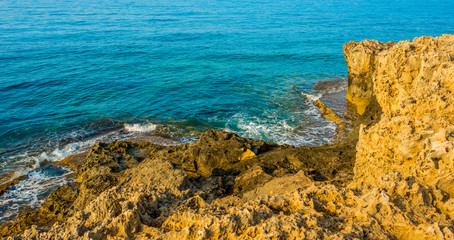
pixel 136 127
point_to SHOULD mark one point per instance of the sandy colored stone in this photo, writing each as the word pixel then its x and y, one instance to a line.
pixel 413 83
pixel 397 208
pixel 247 154
pixel 329 114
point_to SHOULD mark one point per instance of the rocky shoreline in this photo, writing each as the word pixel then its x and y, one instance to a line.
pixel 390 177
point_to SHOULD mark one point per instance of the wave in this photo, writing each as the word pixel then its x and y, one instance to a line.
pixel 292 130
pixel 141 128
pixel 254 127
pixel 312 98
pixel 39 181
pixel 27 193
pixel 28 157
pixel 29 161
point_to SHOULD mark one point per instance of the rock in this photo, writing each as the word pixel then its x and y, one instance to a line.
pixel 360 58
pixel 279 186
pixel 217 150
pixel 247 154
pixel 329 114
pixel 413 84
pixel 131 190
pixel 251 178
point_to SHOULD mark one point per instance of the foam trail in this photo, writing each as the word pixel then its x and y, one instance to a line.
pixel 28 191
pixel 312 97
pixel 282 131
pixel 33 163
pixel 30 160
pixel 141 128
pixel 40 181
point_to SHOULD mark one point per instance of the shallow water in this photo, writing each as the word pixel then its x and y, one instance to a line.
pixel 76 72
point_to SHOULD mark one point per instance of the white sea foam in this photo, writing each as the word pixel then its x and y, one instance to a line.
pixel 312 97
pixel 31 159
pixel 142 128
pixel 268 128
pixel 32 164
pixel 73 148
pixel 317 128
pixel 70 149
pixel 28 191
pixel 307 127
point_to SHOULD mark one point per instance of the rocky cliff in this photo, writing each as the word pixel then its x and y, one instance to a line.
pixel 227 187
pixel 413 82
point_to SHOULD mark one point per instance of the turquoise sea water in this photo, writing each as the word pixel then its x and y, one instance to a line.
pixel 76 72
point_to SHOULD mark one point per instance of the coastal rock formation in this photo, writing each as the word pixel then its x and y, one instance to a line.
pixel 329 114
pixel 398 209
pixel 225 187
pixel 413 82
pixel 117 182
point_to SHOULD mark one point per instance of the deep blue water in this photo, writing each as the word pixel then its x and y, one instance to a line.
pixel 76 72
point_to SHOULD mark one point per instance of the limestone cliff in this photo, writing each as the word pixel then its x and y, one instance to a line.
pixel 227 187
pixel 413 82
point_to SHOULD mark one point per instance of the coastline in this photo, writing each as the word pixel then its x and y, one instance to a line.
pixel 368 185
pixel 329 89
pixel 37 154
pixel 27 218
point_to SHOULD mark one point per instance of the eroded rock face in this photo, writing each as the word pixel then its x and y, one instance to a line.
pixel 220 169
pixel 413 82
pixel 396 209
pixel 360 58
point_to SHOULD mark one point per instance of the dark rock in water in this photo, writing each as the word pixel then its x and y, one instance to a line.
pixel 331 86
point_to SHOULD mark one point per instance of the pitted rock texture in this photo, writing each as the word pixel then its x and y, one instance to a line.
pixel 131 189
pixel 413 82
pixel 396 209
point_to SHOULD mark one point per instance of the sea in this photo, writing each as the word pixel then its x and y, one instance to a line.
pixel 73 73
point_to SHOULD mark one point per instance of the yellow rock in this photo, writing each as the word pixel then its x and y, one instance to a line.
pixel 247 154
pixel 361 103
pixel 413 84
pixel 329 114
